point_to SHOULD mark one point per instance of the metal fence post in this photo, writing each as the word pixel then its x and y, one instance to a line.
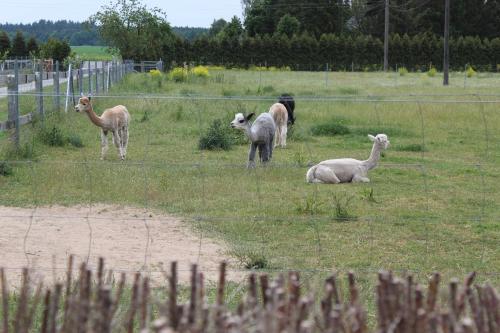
pixel 56 88
pixel 90 77
pixel 39 91
pixel 69 85
pixel 96 88
pixel 13 104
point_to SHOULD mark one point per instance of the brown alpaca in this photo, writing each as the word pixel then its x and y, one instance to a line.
pixel 115 120
pixel 280 117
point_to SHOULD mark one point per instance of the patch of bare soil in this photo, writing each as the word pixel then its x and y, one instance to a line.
pixel 130 239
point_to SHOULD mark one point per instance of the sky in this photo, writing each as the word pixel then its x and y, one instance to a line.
pixel 193 13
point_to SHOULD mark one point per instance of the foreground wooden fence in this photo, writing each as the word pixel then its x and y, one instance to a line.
pixel 92 304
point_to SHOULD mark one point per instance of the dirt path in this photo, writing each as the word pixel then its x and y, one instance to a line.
pixel 119 234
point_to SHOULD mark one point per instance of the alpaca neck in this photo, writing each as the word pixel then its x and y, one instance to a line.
pixel 372 161
pixel 250 132
pixel 95 119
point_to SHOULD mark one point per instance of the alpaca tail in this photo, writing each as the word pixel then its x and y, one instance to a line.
pixel 310 176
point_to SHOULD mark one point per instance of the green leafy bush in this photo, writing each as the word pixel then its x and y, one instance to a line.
pixel 52 136
pixel 470 71
pixel 216 137
pixel 75 141
pixel 5 169
pixel 432 72
pixel 402 71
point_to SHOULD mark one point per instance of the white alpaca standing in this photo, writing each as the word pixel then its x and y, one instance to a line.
pixel 260 133
pixel 346 170
pixel 280 116
pixel 115 119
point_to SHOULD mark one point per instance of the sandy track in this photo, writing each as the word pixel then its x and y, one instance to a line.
pixel 119 234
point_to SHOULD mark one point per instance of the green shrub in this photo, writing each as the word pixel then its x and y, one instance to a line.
pixel 341 207
pixel 402 71
pixel 178 74
pixel 470 71
pixel 75 141
pixel 216 137
pixel 5 169
pixel 251 259
pixel 330 129
pixel 52 136
pixel 432 72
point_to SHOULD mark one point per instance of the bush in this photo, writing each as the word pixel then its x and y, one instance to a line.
pixel 402 71
pixel 217 137
pixel 432 72
pixel 470 71
pixel 5 169
pixel 200 71
pixel 75 141
pixel 178 74
pixel 52 136
pixel 329 129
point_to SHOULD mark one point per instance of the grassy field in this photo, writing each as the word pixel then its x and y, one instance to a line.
pixel 432 204
pixel 89 52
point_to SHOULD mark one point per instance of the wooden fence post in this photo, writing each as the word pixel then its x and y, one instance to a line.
pixel 56 88
pixel 39 90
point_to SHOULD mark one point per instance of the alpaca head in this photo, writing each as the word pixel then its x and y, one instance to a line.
pixel 83 104
pixel 241 121
pixel 381 140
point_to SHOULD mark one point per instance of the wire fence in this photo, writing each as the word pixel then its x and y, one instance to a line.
pixel 406 220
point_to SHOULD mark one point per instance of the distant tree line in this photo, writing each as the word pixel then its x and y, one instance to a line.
pixel 340 52
pixel 77 33
pixel 18 47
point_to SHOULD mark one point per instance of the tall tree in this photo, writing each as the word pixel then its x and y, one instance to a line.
pixel 18 48
pixel 32 46
pixel 4 43
pixel 315 16
pixel 136 31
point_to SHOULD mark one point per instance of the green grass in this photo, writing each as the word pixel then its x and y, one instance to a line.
pixel 90 52
pixel 425 210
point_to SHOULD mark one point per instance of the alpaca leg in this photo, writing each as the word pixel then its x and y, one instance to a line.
pixel 322 174
pixel 270 145
pixel 283 136
pixel 124 138
pixel 265 153
pixel 104 143
pixel 360 179
pixel 118 144
pixel 251 156
pixel 277 136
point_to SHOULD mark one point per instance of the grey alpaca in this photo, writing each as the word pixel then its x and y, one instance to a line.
pixel 260 133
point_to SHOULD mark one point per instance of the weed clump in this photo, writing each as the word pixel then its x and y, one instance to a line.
pixel 5 169
pixel 216 137
pixel 52 136
pixel 330 129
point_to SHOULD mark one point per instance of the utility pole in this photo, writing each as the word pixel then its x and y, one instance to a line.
pixel 446 56
pixel 386 37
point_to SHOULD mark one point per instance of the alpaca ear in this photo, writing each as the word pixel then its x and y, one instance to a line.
pixel 250 116
pixel 371 137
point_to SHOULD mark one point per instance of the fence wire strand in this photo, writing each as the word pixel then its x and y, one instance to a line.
pixel 256 222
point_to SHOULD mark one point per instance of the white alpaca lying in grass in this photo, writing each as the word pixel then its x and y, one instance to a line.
pixel 345 170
